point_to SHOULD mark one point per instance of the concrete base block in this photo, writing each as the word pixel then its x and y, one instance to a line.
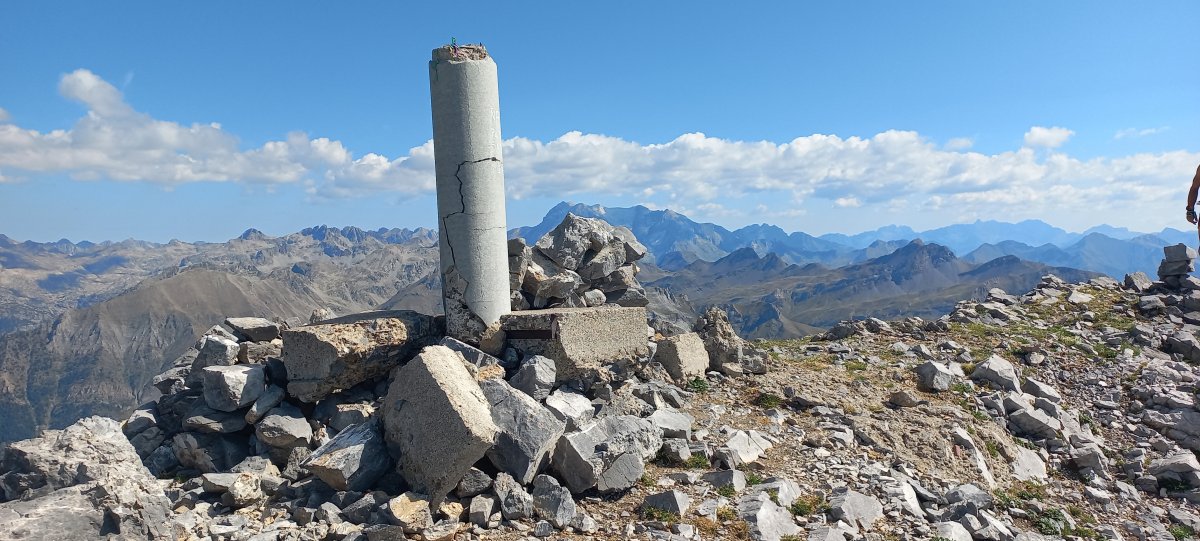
pixel 580 340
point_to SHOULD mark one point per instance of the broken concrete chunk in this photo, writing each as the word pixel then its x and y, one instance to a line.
pixel 437 419
pixel 353 459
pixel 410 511
pixel 580 340
pixel 341 353
pixel 527 431
pixel 683 356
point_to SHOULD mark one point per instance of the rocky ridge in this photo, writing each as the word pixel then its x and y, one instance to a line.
pixel 1068 411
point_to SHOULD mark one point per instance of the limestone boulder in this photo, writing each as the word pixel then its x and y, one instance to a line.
pixel 527 431
pixel 253 329
pixel 352 460
pixel 573 238
pixel 284 427
pixel 437 421
pixel 999 372
pixel 228 388
pixel 82 482
pixel 213 350
pixel 608 453
pixel 341 353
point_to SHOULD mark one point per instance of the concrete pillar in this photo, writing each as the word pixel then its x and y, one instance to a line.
pixel 470 190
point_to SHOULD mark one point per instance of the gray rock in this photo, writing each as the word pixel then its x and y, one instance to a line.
pixel 747 445
pixel 722 478
pixel 593 297
pixel 855 508
pixel 284 427
pixel 952 531
pixel 352 460
pixel 767 520
pixel 673 423
pixel 210 421
pixel 553 502
pixel 574 237
pixel 934 377
pixel 360 511
pixel 571 407
pixel 1178 252
pixel 603 262
pixel 527 432
pixel 1028 466
pixel 473 355
pixel 683 356
pixel 727 351
pixel 1035 423
pixel 253 329
pixel 515 502
pixel 999 372
pixel 271 397
pixel 473 483
pixel 228 388
pixel 606 452
pixel 438 421
pixel 535 377
pixel 1041 390
pixel 479 511
pixel 968 493
pixel 207 452
pixel 214 350
pixel 410 511
pixel 341 353
pixel 82 482
pixel 671 501
pixel 1138 281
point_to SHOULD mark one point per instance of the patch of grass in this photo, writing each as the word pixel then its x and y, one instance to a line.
pixel 1086 420
pixel 856 366
pixel 725 514
pixel 1049 522
pixel 661 515
pixel 1173 485
pixel 993 449
pixel 790 538
pixel 768 400
pixel 754 479
pixel 1180 532
pixel 646 480
pixel 1080 515
pixel 960 387
pixel 773 493
pixel 697 462
pixel 968 368
pixel 698 385
pixel 809 504
pixel 727 491
pixel 708 528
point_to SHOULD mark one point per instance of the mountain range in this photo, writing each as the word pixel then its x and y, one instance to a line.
pixel 85 326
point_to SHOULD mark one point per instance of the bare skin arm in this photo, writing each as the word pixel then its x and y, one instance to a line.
pixel 1191 204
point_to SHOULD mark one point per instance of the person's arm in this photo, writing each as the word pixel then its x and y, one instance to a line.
pixel 1191 203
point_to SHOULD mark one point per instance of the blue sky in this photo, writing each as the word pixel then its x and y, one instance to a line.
pixel 199 120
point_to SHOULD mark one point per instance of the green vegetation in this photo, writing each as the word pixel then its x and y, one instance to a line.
pixel 697 462
pixel 992 448
pixel 856 366
pixel 768 400
pixel 698 385
pixel 661 515
pixel 727 491
pixel 1180 532
pixel 809 504
pixel 753 478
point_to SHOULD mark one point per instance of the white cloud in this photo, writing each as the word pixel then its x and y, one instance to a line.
pixel 895 171
pixel 1136 132
pixel 4 115
pixel 1054 137
pixel 959 143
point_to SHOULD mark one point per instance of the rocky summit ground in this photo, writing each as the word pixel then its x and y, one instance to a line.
pixel 1068 411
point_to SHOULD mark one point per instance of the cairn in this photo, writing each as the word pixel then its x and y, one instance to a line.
pixel 1176 267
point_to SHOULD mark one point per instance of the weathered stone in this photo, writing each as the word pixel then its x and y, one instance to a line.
pixel 214 350
pixel 437 420
pixel 593 297
pixel 474 482
pixel 683 356
pixel 253 329
pixel 346 415
pixel 267 401
pixel 207 453
pixel 553 502
pixel 1028 466
pixel 952 531
pixel 535 377
pixel 91 483
pixel 341 353
pixel 515 502
pixel 1041 390
pixel 934 377
pixel 747 445
pixel 284 427
pixel 527 431
pixel 410 511
pixel 573 238
pixel 580 340
pixel 671 501
pixel 727 352
pixel 1035 423
pixel 673 423
pixel 609 450
pixel 766 519
pixel 470 353
pixel 855 508
pixel 603 262
pixel 1178 252
pixel 480 510
pixel 999 372
pixel 1138 281
pixel 570 407
pixel 634 297
pixel 519 255
pixel 259 352
pixel 210 421
pixel 352 460
pixel 718 479
pixel 228 388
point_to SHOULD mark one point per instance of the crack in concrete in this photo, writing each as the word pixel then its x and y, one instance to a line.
pixel 446 232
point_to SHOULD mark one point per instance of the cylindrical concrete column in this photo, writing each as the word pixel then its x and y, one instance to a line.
pixel 470 189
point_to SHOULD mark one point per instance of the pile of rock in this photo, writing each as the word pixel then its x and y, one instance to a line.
pixel 1176 267
pixel 582 262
